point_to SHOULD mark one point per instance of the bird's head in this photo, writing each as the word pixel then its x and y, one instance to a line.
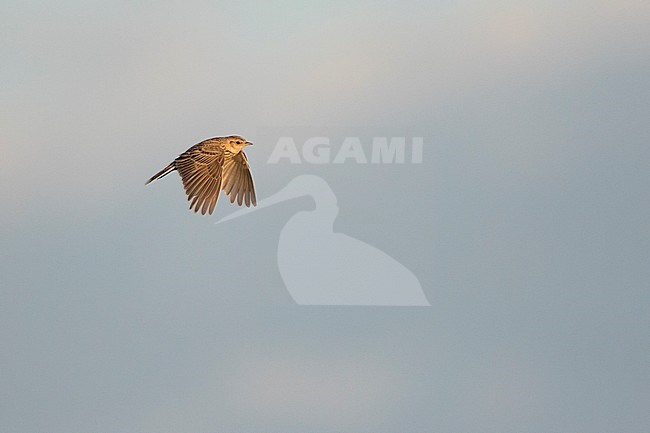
pixel 237 143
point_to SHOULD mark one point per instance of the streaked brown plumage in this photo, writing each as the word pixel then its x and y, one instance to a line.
pixel 210 166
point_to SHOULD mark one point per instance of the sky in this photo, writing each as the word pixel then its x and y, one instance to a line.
pixel 526 224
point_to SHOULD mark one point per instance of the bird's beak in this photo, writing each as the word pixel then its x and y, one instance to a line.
pixel 248 143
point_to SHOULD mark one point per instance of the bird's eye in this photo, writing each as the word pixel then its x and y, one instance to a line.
pixel 239 142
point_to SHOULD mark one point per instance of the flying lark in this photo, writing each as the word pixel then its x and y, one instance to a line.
pixel 210 166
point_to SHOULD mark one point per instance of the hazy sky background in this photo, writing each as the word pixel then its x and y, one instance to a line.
pixel 527 224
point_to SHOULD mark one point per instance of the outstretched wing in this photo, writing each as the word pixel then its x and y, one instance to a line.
pixel 238 181
pixel 200 168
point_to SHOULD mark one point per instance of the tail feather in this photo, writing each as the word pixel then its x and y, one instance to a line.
pixel 162 173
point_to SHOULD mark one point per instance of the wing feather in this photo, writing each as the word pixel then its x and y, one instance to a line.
pixel 235 183
pixel 201 170
pixel 238 180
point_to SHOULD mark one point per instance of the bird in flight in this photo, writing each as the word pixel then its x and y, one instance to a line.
pixel 210 166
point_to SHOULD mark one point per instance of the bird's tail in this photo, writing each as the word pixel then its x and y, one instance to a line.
pixel 162 173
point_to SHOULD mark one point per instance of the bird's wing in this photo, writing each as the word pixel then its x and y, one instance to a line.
pixel 238 181
pixel 200 168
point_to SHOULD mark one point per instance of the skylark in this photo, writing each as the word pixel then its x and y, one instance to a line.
pixel 210 166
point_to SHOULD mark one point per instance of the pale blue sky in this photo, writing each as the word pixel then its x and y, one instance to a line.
pixel 527 224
